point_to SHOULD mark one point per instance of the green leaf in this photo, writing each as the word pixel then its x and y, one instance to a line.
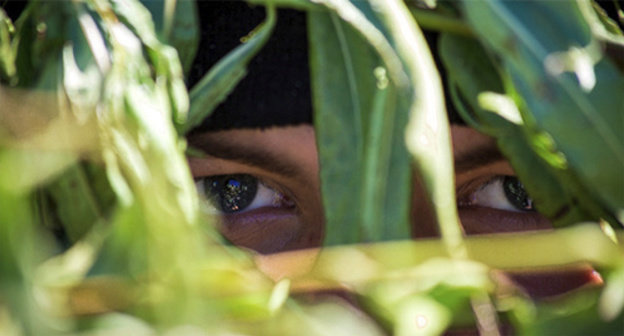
pixel 571 93
pixel 295 4
pixel 23 245
pixel 163 58
pixel 225 75
pixel 427 135
pixel 611 303
pixel 443 19
pixel 359 121
pixel 40 36
pixel 19 173
pixel 574 314
pixel 7 54
pixel 177 24
pixel 419 315
pixel 81 198
pixel 472 73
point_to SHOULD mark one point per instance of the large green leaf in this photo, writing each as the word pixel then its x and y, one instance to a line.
pixel 359 122
pixel 391 31
pixel 472 73
pixel 571 92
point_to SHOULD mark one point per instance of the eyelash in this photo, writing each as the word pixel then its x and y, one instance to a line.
pixel 501 192
pixel 239 193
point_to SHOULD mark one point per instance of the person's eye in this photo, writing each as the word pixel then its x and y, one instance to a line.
pixel 503 193
pixel 238 193
pixel 498 204
pixel 253 213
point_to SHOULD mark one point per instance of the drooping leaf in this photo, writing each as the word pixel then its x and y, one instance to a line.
pixel 571 92
pixel 472 73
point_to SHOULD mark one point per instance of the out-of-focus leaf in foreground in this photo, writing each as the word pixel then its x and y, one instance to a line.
pixel 7 54
pixel 176 23
pixel 20 250
pixel 560 74
pixel 96 85
pixel 162 57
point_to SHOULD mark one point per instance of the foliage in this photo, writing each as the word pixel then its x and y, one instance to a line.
pixel 94 103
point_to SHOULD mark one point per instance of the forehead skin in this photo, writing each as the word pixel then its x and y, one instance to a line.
pixel 279 150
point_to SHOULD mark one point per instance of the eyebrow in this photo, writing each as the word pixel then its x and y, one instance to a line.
pixel 478 157
pixel 255 156
pixel 271 161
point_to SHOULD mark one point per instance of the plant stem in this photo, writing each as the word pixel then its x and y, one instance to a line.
pixel 431 20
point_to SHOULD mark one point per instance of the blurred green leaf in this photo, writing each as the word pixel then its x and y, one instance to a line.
pixel 611 304
pixel 81 197
pixel 176 22
pixel 359 264
pixel 116 324
pixel 421 316
pixel 23 245
pixel 163 58
pixel 326 317
pixel 573 314
pixel 20 174
pixel 7 53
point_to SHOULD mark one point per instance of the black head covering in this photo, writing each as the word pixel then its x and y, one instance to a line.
pixel 276 90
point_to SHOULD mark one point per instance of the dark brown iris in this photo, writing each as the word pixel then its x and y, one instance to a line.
pixel 516 194
pixel 231 193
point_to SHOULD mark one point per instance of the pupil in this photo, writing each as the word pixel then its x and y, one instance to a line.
pixel 231 193
pixel 516 194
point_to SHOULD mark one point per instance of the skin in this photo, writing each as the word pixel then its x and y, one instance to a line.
pixel 285 160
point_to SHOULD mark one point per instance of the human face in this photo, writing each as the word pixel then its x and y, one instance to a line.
pixel 285 212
